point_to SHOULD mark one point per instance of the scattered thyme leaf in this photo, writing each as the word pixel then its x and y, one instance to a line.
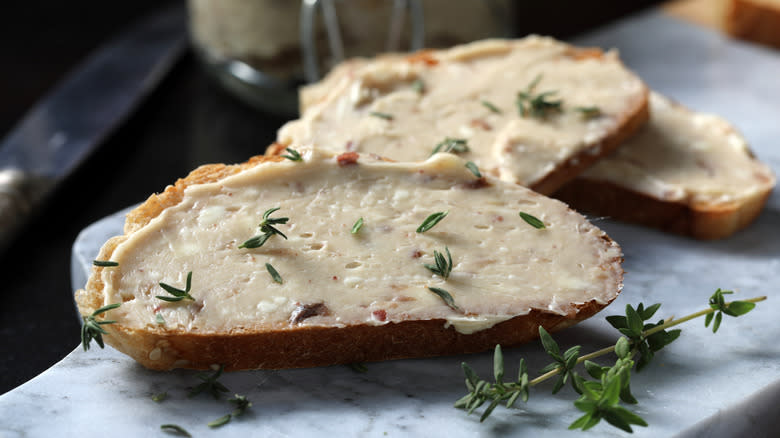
pixel 159 397
pixel 358 367
pixel 91 327
pixel 431 221
pixel 178 294
pixel 443 266
pixel 718 303
pixel 241 403
pixel 454 145
pixel 589 112
pixel 418 86
pixel 158 318
pixel 357 226
pixel 221 421
pixel 105 263
pixel 444 295
pixel 274 274
pixel 174 429
pixel 532 221
pixel 473 168
pixel 293 155
pixel 381 115
pixel 491 107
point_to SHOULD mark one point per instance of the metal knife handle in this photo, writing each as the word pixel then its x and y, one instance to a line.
pixel 18 193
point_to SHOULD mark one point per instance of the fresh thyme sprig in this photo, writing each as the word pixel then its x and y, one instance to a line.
pixel 357 226
pixel 443 266
pixel 242 404
pixel 537 105
pixel 210 384
pixel 600 398
pixel 381 115
pixel 91 327
pixel 431 221
pixel 454 145
pixel 267 228
pixel 274 273
pixel 105 263
pixel 532 221
pixel 293 155
pixel 178 294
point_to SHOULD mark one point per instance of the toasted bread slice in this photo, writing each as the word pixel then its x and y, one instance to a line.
pixel 684 172
pixel 344 293
pixel 533 111
pixel 754 20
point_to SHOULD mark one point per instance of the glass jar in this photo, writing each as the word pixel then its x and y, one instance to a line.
pixel 263 50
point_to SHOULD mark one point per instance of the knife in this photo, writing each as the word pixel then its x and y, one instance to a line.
pixel 62 129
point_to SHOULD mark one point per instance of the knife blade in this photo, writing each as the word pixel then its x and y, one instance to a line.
pixel 61 130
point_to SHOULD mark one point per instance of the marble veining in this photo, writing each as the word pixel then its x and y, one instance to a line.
pixel 702 385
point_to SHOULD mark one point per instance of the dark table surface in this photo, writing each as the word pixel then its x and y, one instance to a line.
pixel 186 122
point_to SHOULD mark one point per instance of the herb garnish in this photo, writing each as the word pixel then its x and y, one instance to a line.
pixel 474 169
pixel 174 428
pixel 599 398
pixel 294 155
pixel 358 367
pixel 91 327
pixel 491 107
pixel 532 221
pixel 589 112
pixel 454 145
pixel 274 274
pixel 242 404
pixel 210 384
pixel 418 86
pixel 431 221
pixel 357 226
pixel 158 318
pixel 443 266
pixel 718 303
pixel 381 115
pixel 537 105
pixel 444 295
pixel 267 228
pixel 105 263
pixel 157 398
pixel 178 294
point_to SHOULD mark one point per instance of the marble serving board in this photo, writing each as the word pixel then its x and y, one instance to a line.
pixel 720 385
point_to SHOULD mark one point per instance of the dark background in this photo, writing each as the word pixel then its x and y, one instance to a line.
pixel 186 122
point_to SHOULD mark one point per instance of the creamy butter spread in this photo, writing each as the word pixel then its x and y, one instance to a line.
pixel 685 156
pixel 502 266
pixel 519 149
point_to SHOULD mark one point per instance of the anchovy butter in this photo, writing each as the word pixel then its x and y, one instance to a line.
pixel 502 266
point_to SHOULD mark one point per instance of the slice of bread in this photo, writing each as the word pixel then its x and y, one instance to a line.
pixel 345 292
pixel 754 20
pixel 519 108
pixel 684 172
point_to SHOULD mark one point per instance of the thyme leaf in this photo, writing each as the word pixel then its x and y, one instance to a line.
pixel 274 273
pixel 537 105
pixel 444 295
pixel 588 112
pixel 357 226
pixel 293 155
pixel 105 263
pixel 418 86
pixel 210 384
pixel 491 107
pixel 473 168
pixel 174 429
pixel 381 115
pixel 431 221
pixel 532 221
pixel 454 145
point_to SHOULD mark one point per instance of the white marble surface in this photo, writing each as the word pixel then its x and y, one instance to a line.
pixel 702 385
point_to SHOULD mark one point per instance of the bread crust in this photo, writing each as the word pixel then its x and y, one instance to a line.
pixel 754 20
pixel 304 346
pixel 700 221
